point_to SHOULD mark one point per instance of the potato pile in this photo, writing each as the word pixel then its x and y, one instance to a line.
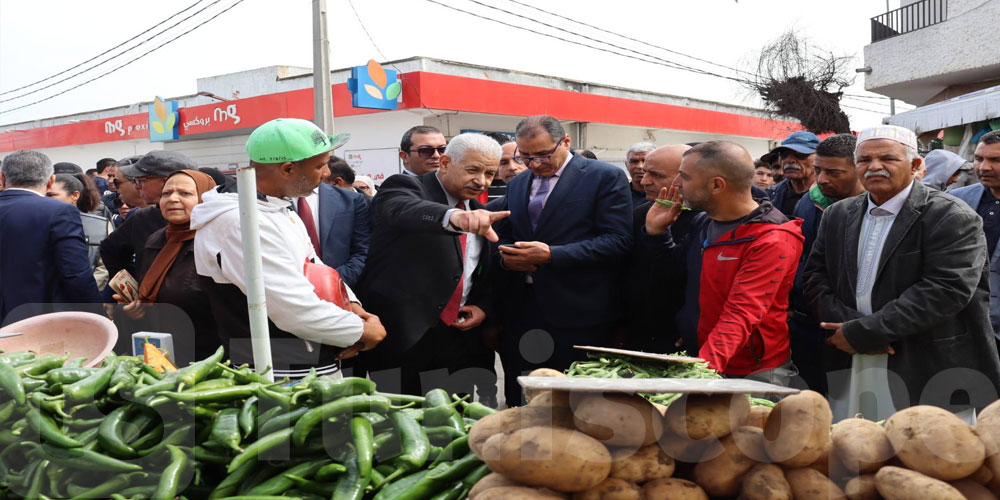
pixel 620 447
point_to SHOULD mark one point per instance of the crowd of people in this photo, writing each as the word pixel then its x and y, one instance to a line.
pixel 840 265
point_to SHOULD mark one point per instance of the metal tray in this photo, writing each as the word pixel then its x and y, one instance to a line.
pixel 654 385
pixel 639 354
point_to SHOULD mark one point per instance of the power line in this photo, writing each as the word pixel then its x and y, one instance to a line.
pixel 144 54
pixel 863 109
pixel 369 35
pixel 151 28
pixel 657 60
pixel 598 28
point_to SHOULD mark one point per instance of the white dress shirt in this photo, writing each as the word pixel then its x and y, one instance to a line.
pixel 473 244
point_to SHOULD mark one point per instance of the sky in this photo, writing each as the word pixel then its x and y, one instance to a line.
pixel 45 38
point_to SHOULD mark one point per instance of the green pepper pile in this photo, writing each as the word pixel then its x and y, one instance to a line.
pixel 611 366
pixel 213 431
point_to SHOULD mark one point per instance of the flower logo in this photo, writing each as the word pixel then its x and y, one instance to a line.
pixel 374 87
pixel 163 120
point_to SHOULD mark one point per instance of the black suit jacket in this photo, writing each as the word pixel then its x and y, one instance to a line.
pixel 414 263
pixel 43 257
pixel 930 300
pixel 587 223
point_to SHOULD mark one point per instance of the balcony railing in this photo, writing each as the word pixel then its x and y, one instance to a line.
pixel 909 18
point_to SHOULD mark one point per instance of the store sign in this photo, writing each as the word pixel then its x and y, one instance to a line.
pixel 163 122
pixel 374 87
pixel 203 119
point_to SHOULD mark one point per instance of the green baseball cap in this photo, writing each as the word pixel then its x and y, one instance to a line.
pixel 290 139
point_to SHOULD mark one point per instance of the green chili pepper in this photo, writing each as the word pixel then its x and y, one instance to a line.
pixel 87 389
pixel 377 480
pixel 37 480
pixel 141 423
pixel 150 438
pixel 395 489
pixel 327 388
pixel 198 370
pixel 113 485
pixel 453 492
pixel 402 399
pixel 87 459
pixel 280 484
pixel 46 427
pixel 328 472
pixel 153 372
pixel 170 480
pixel 414 442
pixel 248 416
pixel 261 445
pixel 259 497
pixel 205 455
pixel 121 379
pixel 361 431
pixel 235 478
pixel 180 436
pixel 350 404
pixel 352 484
pixel 455 449
pixel 17 358
pixel 226 429
pixel 222 394
pixel 476 410
pixel 476 475
pixel 41 365
pixel 109 433
pixel 281 422
pixel 10 382
pixel 314 487
pixel 443 434
pixel 440 410
pixel 215 383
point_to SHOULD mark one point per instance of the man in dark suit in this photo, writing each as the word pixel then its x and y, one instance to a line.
pixel 562 249
pixel 43 252
pixel 899 276
pixel 338 218
pixel 426 276
pixel 653 290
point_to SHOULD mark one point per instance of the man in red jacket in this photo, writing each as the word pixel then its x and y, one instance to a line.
pixel 740 257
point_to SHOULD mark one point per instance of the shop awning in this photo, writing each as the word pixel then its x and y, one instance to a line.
pixel 969 108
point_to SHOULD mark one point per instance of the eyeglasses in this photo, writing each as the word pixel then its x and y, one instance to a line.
pixel 138 181
pixel 526 160
pixel 428 151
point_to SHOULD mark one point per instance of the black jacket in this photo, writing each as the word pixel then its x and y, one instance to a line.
pixel 930 300
pixel 414 264
pixel 122 249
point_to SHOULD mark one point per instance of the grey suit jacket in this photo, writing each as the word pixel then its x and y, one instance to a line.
pixel 930 299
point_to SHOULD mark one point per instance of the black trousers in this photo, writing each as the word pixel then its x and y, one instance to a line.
pixel 443 358
pixel 528 342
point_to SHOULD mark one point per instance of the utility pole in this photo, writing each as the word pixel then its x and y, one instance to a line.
pixel 322 99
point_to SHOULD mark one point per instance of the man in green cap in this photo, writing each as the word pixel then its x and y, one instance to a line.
pixel 290 159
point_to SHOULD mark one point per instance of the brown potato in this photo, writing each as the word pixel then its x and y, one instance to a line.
pixel 822 464
pixel 983 475
pixel 520 493
pixel 672 489
pixel 862 445
pixel 756 417
pixel 698 416
pixel 809 484
pixel 551 399
pixel 530 394
pixel 645 464
pixel 765 482
pixel 935 442
pixel 492 480
pixel 862 488
pixel 618 419
pixel 990 414
pixel 610 489
pixel 721 476
pixel 562 459
pixel 798 429
pixel 687 450
pixel 897 483
pixel 973 490
pixel 513 419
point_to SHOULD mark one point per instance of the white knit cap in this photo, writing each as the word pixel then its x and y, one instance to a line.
pixel 901 135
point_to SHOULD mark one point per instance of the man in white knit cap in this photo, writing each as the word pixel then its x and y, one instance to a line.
pixel 899 277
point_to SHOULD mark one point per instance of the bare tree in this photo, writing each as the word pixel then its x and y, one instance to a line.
pixel 799 80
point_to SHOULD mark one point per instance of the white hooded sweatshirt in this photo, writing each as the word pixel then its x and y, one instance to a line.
pixel 292 303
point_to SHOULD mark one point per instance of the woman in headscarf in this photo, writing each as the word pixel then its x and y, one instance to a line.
pixel 168 273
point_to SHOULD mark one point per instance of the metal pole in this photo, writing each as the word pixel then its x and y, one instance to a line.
pixel 259 335
pixel 892 106
pixel 322 99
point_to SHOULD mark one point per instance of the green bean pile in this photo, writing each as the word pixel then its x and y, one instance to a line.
pixel 611 366
pixel 213 431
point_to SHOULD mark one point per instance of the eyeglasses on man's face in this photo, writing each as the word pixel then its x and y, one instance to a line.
pixel 527 160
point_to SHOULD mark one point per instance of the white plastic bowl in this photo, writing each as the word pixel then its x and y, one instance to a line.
pixel 71 333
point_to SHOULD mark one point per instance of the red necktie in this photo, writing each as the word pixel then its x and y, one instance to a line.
pixel 450 312
pixel 306 214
